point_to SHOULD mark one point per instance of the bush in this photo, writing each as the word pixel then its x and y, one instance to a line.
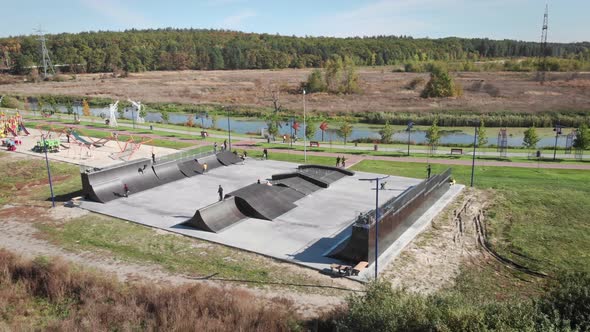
pixel 72 300
pixel 413 84
pixel 11 102
pixel 315 82
pixel 441 85
pixel 569 301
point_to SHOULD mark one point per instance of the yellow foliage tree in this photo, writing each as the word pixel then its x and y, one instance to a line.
pixel 85 108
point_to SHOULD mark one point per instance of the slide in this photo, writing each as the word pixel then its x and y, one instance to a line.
pixel 12 132
pixel 80 139
pixel 25 129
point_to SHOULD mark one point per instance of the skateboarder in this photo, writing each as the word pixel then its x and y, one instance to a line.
pixel 428 169
pixel 224 145
pixel 338 161
pixel 220 192
pixel 215 147
pixel 153 157
pixel 265 154
pixel 126 190
pixel 205 168
pixel 258 181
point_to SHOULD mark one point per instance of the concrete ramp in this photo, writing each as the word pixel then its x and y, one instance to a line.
pixel 265 202
pixel 228 158
pixel 168 172
pixel 217 216
pixel 190 168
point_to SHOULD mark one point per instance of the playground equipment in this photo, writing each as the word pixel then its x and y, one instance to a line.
pixel 47 145
pixel 112 114
pixel 137 106
pixel 12 125
pixel 128 149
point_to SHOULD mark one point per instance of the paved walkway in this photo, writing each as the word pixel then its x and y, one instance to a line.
pixel 354 159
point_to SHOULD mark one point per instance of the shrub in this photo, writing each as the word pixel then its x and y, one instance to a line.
pixel 10 102
pixel 568 303
pixel 315 82
pixel 441 85
pixel 413 84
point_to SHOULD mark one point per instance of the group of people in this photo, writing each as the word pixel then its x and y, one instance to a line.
pixel 341 162
pixel 223 147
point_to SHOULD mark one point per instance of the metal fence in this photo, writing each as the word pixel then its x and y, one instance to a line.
pixel 186 155
pixel 398 202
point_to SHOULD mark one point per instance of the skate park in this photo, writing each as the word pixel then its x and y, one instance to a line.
pixel 316 216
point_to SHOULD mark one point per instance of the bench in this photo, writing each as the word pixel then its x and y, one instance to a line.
pixel 359 268
pixel 341 269
pixel 459 151
pixel 314 143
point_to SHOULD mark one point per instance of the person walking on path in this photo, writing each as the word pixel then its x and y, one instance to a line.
pixel 126 190
pixel 265 154
pixel 220 192
pixel 338 161
pixel 428 169
pixel 215 147
pixel 343 162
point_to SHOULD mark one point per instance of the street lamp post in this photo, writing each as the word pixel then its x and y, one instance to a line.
pixel 228 128
pixel 304 131
pixel 476 123
pixel 557 131
pixel 48 172
pixel 376 220
pixel 410 125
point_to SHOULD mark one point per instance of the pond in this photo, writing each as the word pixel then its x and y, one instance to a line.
pixel 250 125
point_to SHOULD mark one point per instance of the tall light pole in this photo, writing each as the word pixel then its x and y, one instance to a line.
pixel 476 123
pixel 410 125
pixel 48 171
pixel 376 219
pixel 304 131
pixel 228 128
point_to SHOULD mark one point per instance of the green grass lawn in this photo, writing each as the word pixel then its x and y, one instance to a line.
pixel 540 217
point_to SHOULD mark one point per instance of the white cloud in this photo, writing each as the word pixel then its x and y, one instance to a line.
pixel 118 13
pixel 235 21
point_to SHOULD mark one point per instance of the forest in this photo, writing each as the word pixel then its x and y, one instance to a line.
pixel 181 49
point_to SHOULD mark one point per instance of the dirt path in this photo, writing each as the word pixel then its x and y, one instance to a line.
pixel 433 259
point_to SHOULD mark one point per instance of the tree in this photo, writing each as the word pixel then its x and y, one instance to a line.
pixel 351 77
pixel 69 107
pixel 334 73
pixel 165 116
pixel 582 140
pixel 85 108
pixel 433 135
pixel 386 132
pixel 482 137
pixel 310 129
pixel 315 82
pixel 530 138
pixel 345 130
pixel 441 84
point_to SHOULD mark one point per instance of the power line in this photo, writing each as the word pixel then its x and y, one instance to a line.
pixel 544 50
pixel 45 54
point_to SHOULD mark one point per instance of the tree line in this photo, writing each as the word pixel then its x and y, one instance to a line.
pixel 179 49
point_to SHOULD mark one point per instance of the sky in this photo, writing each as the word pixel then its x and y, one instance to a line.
pixel 494 19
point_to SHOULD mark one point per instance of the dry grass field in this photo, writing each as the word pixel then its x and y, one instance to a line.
pixel 382 90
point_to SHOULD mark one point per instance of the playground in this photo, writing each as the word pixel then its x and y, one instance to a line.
pixel 84 150
pixel 299 214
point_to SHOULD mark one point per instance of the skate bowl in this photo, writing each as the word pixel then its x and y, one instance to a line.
pixel 228 158
pixel 396 216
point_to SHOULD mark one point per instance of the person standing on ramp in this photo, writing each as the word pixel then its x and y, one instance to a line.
pixel 220 192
